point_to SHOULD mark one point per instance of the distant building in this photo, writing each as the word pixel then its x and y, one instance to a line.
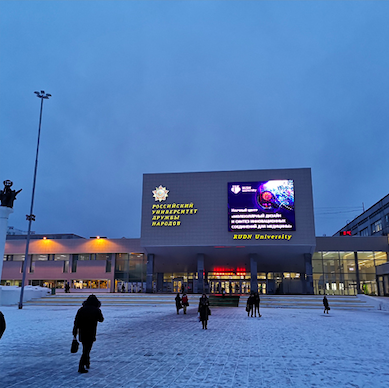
pixel 12 231
pixel 33 236
pixel 372 222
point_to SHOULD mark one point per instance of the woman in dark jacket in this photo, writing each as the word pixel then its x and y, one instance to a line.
pixel 178 303
pixel 326 305
pixel 204 310
pixel 256 304
pixel 85 324
pixel 250 304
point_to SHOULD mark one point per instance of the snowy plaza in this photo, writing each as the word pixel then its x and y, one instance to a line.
pixel 152 346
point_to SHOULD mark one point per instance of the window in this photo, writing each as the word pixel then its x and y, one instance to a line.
pixel 376 226
pixel 364 232
pixel 65 259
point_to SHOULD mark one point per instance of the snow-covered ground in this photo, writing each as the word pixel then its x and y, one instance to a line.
pixel 154 347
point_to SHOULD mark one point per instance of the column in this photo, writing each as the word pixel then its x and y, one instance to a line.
pixel 308 284
pixel 159 281
pixel 359 291
pixel 113 269
pixel 253 273
pixel 200 273
pixel 4 214
pixel 149 275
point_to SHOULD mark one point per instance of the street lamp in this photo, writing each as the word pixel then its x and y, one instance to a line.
pixel 31 217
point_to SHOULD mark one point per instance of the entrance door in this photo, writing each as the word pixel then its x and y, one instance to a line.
pixel 262 286
pixel 178 284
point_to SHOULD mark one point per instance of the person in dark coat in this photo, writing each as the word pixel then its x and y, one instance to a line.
pixel 204 310
pixel 2 324
pixel 326 305
pixel 250 304
pixel 257 300
pixel 178 303
pixel 85 324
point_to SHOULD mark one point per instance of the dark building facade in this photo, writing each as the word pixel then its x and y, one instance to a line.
pixel 240 222
pixel 372 222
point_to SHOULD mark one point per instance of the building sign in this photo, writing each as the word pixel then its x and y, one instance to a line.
pixel 169 214
pixel 265 236
pixel 264 205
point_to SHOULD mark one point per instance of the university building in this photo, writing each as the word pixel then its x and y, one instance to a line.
pixel 208 231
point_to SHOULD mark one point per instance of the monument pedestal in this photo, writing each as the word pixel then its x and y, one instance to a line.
pixel 4 214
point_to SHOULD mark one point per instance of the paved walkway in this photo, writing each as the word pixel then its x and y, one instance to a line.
pixel 154 347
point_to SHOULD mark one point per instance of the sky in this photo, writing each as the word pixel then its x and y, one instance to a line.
pixel 181 86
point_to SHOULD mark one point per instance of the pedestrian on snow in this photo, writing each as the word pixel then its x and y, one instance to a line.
pixel 123 288
pixel 257 300
pixel 85 324
pixel 67 287
pixel 204 310
pixel 250 304
pixel 326 305
pixel 185 302
pixel 178 303
pixel 2 324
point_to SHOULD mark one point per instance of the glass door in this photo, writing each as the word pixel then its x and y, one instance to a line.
pixel 178 285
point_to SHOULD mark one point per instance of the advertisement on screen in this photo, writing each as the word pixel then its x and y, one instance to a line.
pixel 264 205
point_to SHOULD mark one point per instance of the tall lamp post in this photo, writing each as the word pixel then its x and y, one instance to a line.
pixel 31 217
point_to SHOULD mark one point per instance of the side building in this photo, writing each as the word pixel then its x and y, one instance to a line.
pixel 372 222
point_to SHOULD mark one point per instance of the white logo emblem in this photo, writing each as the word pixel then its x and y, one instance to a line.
pixel 160 193
pixel 235 189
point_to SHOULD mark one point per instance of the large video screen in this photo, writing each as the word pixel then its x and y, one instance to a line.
pixel 265 205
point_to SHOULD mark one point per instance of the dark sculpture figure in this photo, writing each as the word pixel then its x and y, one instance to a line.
pixel 8 196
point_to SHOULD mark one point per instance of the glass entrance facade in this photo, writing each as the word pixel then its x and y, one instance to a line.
pixel 344 273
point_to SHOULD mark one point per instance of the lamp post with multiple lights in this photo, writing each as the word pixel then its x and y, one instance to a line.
pixel 31 217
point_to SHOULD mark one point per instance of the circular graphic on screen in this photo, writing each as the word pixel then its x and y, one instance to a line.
pixel 273 195
pixel 266 200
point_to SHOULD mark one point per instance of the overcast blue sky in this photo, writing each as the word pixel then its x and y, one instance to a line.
pixel 180 86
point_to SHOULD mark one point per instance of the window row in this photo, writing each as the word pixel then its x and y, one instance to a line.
pixel 344 262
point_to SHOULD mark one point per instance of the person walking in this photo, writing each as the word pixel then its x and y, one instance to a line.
pixel 85 325
pixel 178 303
pixel 204 310
pixel 2 324
pixel 249 305
pixel 326 305
pixel 257 300
pixel 185 302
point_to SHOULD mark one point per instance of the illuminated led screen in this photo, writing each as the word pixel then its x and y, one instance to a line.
pixel 256 206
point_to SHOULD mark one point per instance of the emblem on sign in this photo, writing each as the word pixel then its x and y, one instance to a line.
pixel 160 193
pixel 235 189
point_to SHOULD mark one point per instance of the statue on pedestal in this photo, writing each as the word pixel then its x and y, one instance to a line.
pixel 8 196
